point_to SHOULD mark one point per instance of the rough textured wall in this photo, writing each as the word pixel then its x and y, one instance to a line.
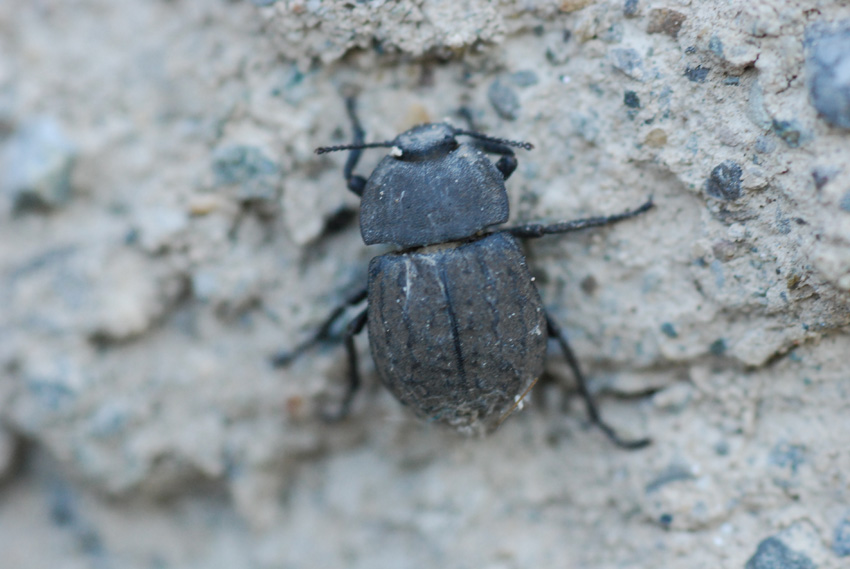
pixel 165 227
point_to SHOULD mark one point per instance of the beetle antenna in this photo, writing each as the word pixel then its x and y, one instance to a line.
pixel 514 143
pixel 326 149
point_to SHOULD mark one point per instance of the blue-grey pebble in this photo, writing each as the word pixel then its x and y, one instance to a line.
pixel 772 553
pixel 629 62
pixel 247 166
pixel 828 70
pixel 504 99
pixel 37 165
pixel 841 539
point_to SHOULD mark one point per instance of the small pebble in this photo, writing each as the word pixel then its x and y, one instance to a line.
pixel 630 8
pixel 725 181
pixel 789 131
pixel 715 46
pixel 35 170
pixel 631 100
pixel 718 347
pixel 828 70
pixel 629 62
pixel 504 99
pixel 765 144
pixel 841 539
pixel 248 167
pixel 525 78
pixel 697 74
pixel 844 203
pixel 665 21
pixel 823 174
pixel 773 554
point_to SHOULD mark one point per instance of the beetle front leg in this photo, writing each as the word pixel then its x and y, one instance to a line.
pixel 354 327
pixel 507 163
pixel 355 183
pixel 556 332
pixel 322 334
pixel 534 230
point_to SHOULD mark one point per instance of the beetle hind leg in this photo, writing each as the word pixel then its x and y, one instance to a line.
pixel 592 410
pixel 354 327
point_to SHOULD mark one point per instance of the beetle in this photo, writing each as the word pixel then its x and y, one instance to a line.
pixel 456 326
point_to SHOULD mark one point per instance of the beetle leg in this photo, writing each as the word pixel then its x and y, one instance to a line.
pixel 533 230
pixel 354 327
pixel 322 334
pixel 507 163
pixel 556 332
pixel 355 183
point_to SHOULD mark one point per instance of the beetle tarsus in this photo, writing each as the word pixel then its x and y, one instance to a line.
pixel 592 410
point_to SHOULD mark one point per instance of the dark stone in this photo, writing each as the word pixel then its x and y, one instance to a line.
pixel 669 330
pixel 724 183
pixel 718 347
pixel 631 100
pixel 697 74
pixel 773 554
pixel 630 8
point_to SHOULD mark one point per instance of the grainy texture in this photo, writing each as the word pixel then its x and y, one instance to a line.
pixel 175 241
pixel 458 333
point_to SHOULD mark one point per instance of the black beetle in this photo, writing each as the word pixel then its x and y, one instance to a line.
pixel 456 326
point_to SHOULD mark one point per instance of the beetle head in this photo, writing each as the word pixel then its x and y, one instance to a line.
pixel 425 141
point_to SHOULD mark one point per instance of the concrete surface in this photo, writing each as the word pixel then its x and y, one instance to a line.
pixel 164 229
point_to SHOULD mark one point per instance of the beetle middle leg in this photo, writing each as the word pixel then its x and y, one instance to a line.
pixel 533 230
pixel 556 333
pixel 322 334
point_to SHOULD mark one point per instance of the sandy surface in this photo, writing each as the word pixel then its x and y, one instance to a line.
pixel 164 229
